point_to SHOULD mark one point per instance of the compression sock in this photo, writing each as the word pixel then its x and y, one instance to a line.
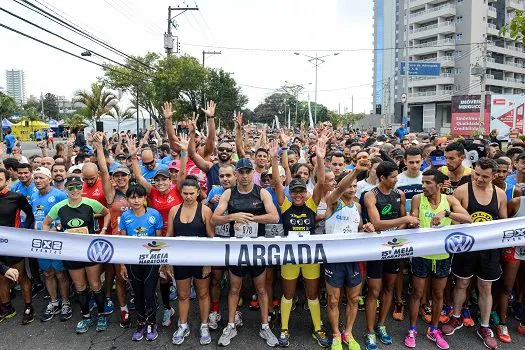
pixel 315 313
pixel 286 309
pixel 100 299
pixel 165 294
pixel 83 300
pixel 215 306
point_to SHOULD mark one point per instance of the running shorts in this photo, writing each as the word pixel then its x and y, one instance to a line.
pixel 309 271
pixel 49 264
pixel 484 264
pixel 77 265
pixel 508 255
pixel 376 268
pixel 422 268
pixel 185 272
pixel 253 271
pixel 339 275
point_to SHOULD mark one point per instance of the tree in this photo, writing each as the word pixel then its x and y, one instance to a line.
pixel 51 108
pixel 97 101
pixel 516 27
pixel 343 120
pixel 272 106
pixel 120 114
pixel 7 105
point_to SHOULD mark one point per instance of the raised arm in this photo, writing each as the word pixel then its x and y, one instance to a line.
pixel 199 161
pixel 320 153
pixel 285 139
pixel 209 146
pixel 336 194
pixel 238 136
pixel 274 156
pixel 135 166
pixel 109 191
pixel 167 111
pixel 183 145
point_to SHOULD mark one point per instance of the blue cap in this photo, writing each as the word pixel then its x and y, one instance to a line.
pixel 244 163
pixel 438 160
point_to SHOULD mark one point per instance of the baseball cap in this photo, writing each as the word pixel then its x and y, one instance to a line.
pixel 244 163
pixel 42 171
pixel 295 184
pixel 162 172
pixel 398 153
pixel 74 168
pixel 437 158
pixel 174 164
pixel 120 156
pixel 121 169
pixel 281 171
pixel 74 179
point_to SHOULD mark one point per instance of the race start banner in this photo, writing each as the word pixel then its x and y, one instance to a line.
pixel 264 251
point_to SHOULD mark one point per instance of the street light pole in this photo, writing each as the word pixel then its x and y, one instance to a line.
pixel 315 96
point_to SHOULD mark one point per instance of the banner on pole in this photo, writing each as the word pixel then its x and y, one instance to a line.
pixel 263 251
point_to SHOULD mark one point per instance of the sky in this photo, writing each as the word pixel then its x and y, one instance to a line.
pixel 257 40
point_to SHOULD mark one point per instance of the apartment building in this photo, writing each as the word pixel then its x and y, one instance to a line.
pixel 458 34
pixel 15 85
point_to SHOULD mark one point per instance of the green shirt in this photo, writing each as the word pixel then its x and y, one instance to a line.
pixel 79 218
pixel 426 213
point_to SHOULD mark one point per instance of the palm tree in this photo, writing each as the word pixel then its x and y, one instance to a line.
pixel 97 102
pixel 120 114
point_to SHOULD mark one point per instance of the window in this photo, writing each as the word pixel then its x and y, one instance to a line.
pixel 459 19
pixel 460 2
pixel 459 36
pixel 458 71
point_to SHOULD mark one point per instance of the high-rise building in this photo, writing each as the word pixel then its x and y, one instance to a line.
pixel 458 34
pixel 15 85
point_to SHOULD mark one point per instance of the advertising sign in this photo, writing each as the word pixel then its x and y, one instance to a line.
pixel 507 113
pixel 432 69
pixel 466 115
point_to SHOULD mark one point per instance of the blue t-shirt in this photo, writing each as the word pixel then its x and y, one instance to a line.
pixel 10 141
pixel 216 190
pixel 511 180
pixel 42 204
pixel 276 203
pixel 141 226
pixel 113 166
pixel 149 174
pixel 38 135
pixel 166 160
pixel 26 192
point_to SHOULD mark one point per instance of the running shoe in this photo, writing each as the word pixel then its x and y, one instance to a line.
pixel 50 311
pixel 452 325
pixel 109 307
pixel 167 314
pixel 448 310
pixel 443 316
pixel 7 312
pixel 410 339
pixel 284 338
pixel 371 342
pixel 321 338
pixel 323 300
pixel 124 319
pixel 437 337
pixel 487 335
pixel 521 328
pixel 66 312
pixel 468 321
pixel 83 325
pixel 254 303
pixel 518 310
pixel 238 319
pixel 494 319
pixel 37 288
pixel 180 334
pixel 193 294
pixel 173 292
pixel 349 341
pixel 151 332
pixel 503 333
pixel 267 334
pixel 336 344
pixel 228 333
pixel 131 304
pixel 361 303
pixel 138 335
pixel 398 312
pixel 425 311
pixel 29 315
pixel 383 335
pixel 214 319
pixel 205 335
pixel 102 323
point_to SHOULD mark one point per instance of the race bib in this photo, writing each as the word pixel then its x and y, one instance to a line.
pixel 298 234
pixel 246 230
pixel 273 230
pixel 82 230
pixel 223 230
pixel 519 253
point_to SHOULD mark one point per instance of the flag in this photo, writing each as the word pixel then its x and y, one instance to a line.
pixel 289 124
pixel 277 122
pixel 310 113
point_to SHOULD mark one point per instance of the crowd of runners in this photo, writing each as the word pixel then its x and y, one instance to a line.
pixel 249 181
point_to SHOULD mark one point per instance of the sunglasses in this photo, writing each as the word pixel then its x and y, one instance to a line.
pixel 74 187
pixel 225 150
pixel 149 163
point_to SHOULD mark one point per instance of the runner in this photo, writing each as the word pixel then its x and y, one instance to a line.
pixel 42 201
pixel 191 219
pixel 484 202
pixel 457 173
pixel 76 215
pixel 385 206
pixel 433 209
pixel 11 204
pixel 141 221
pixel 249 208
pixel 58 172
pixel 343 215
pixel 299 221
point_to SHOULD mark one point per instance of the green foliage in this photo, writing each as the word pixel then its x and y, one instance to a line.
pixel 97 101
pixel 51 108
pixel 516 28
pixel 7 105
pixel 120 114
pixel 342 120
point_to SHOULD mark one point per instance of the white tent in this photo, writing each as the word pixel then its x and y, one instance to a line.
pixel 111 123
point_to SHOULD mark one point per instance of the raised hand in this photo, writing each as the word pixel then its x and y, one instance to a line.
pixel 183 142
pixel 97 139
pixel 320 150
pixel 131 147
pixel 71 140
pixel 285 139
pixel 192 122
pixel 274 149
pixel 238 119
pixel 362 165
pixel 167 110
pixel 210 109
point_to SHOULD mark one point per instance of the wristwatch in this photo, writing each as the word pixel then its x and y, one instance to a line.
pixel 447 213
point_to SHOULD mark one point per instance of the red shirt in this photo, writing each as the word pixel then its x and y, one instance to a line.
pixel 97 193
pixel 163 203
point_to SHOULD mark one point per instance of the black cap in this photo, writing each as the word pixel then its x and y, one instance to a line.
pixel 73 180
pixel 398 153
pixel 296 183
pixel 163 172
pixel 244 163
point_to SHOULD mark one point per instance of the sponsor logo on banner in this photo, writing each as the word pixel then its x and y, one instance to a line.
pixel 46 246
pixel 154 257
pixel 458 242
pixel 4 240
pixel 400 248
pixel 100 251
pixel 516 235
pixel 276 254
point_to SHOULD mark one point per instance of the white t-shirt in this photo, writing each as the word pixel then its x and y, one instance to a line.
pixel 362 187
pixel 410 186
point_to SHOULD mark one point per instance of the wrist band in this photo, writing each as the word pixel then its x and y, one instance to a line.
pixel 284 148
pixel 183 153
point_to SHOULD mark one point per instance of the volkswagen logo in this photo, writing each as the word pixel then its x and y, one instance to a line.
pixel 100 251
pixel 458 242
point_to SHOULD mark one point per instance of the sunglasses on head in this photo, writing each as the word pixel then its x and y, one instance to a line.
pixel 225 150
pixel 74 187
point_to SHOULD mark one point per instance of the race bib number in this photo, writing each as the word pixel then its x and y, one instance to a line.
pixel 298 234
pixel 246 230
pixel 223 230
pixel 82 230
pixel 273 230
pixel 519 253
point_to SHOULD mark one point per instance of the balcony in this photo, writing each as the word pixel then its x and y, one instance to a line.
pixel 508 49
pixel 492 29
pixel 433 30
pixel 431 46
pixel 492 12
pixel 443 79
pixel 434 12
pixel 429 96
pixel 446 61
pixel 507 66
pixel 515 4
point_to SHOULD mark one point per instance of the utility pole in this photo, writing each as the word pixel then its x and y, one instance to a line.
pixel 407 44
pixel 204 53
pixel 168 36
pixel 137 109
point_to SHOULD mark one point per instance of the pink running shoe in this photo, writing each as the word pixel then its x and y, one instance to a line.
pixel 437 337
pixel 410 339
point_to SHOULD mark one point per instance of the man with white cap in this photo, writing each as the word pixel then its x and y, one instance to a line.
pixel 42 201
